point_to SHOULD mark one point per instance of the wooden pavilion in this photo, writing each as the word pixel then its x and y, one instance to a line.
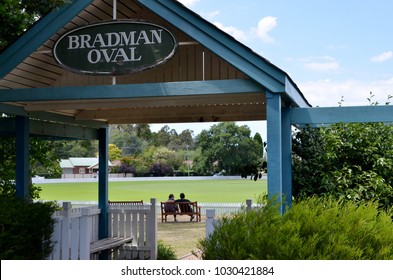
pixel 209 77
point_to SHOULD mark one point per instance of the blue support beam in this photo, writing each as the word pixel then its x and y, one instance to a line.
pixel 22 157
pixel 103 182
pixel 274 149
pixel 189 88
pixel 329 115
pixel 19 111
pixel 50 130
pixel 286 133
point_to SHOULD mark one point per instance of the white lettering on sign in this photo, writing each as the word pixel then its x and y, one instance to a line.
pixel 104 45
pixel 114 39
pixel 114 47
pixel 112 55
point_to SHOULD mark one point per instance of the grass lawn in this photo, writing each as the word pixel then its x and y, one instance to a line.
pixel 195 190
pixel 183 237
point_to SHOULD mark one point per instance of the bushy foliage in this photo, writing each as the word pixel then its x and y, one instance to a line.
pixel 158 169
pixel 125 168
pixel 16 16
pixel 42 157
pixel 314 228
pixel 25 229
pixel 165 252
pixel 227 146
pixel 353 161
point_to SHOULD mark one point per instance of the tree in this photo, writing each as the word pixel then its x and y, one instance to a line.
pixel 41 155
pixel 18 15
pixel 114 152
pixel 126 138
pixel 78 148
pixel 353 161
pixel 126 168
pixel 184 140
pixel 228 147
pixel 159 169
pixel 163 136
pixel 166 156
pixel 138 164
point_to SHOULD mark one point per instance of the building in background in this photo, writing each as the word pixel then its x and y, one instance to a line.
pixel 81 167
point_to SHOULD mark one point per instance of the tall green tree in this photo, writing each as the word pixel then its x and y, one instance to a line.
pixel 229 147
pixel 77 148
pixel 163 136
pixel 126 138
pixel 18 15
pixel 42 156
pixel 352 161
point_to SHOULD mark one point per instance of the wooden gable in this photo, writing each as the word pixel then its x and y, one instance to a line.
pixel 204 81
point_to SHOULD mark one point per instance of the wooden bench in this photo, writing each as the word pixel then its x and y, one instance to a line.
pixel 132 202
pixel 183 208
pixel 109 243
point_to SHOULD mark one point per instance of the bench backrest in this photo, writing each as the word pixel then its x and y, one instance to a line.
pixel 185 207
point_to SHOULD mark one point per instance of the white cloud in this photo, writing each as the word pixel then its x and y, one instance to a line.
pixel 324 63
pixel 188 3
pixel 327 93
pixel 212 14
pixel 382 57
pixel 265 25
pixel 233 31
pixel 322 66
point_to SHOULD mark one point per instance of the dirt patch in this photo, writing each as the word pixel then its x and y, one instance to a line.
pixel 183 235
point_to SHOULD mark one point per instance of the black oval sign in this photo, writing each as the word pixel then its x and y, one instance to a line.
pixel 114 47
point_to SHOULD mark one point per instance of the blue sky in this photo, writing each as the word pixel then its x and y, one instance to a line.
pixel 332 49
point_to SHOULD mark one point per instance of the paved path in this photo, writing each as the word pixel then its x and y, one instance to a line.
pixel 192 257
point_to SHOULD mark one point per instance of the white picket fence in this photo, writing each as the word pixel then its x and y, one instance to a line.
pixel 138 222
pixel 76 228
pixel 211 212
pixel 221 208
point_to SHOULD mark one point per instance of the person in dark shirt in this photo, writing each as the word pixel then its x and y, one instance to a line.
pixel 185 207
pixel 169 207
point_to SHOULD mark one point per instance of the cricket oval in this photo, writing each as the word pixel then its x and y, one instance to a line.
pixel 114 48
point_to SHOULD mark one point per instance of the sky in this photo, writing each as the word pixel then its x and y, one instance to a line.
pixel 336 51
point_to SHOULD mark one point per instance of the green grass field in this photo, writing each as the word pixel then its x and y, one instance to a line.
pixel 198 190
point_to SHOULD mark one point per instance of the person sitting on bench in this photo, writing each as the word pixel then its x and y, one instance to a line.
pixel 185 208
pixel 169 207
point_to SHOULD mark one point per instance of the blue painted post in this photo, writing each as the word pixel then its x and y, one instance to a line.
pixel 286 156
pixel 22 127
pixel 103 139
pixel 274 147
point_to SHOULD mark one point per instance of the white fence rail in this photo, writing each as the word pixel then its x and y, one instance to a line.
pixel 220 208
pixel 76 228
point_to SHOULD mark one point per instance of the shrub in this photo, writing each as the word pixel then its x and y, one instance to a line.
pixel 314 228
pixel 346 160
pixel 158 169
pixel 165 252
pixel 25 229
